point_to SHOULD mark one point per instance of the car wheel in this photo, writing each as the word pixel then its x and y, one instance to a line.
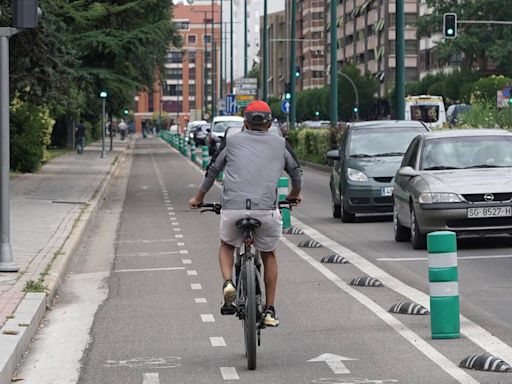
pixel 346 216
pixel 401 233
pixel 419 240
pixel 336 209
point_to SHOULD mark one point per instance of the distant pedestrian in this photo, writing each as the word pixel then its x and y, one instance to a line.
pixel 123 127
pixel 80 137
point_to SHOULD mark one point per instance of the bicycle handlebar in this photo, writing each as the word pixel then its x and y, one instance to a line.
pixel 216 207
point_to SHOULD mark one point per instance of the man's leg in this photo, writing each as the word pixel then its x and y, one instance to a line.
pixel 270 275
pixel 226 260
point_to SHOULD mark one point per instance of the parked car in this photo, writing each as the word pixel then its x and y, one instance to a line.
pixel 457 180
pixel 218 129
pixel 365 164
pixel 190 129
pixel 201 133
pixel 454 112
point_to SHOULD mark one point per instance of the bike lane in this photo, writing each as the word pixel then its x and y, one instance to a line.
pixel 161 322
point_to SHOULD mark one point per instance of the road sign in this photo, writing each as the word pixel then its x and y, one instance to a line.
pixel 285 106
pixel 506 91
pixel 231 105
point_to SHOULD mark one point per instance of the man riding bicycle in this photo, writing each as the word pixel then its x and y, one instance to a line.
pixel 253 161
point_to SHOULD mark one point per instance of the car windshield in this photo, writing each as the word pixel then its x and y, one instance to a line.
pixel 425 113
pixel 221 126
pixel 467 152
pixel 388 141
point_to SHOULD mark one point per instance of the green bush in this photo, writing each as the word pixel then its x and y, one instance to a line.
pixel 31 128
pixel 484 91
pixel 486 115
pixel 312 144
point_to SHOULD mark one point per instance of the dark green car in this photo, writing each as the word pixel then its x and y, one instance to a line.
pixel 365 164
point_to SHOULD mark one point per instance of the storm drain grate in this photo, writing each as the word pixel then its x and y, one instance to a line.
pixel 293 231
pixel 334 259
pixel 409 308
pixel 485 362
pixel 310 244
pixel 366 281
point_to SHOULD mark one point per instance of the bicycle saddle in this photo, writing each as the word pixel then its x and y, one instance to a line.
pixel 248 223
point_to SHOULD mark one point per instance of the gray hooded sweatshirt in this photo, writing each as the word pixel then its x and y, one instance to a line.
pixel 253 162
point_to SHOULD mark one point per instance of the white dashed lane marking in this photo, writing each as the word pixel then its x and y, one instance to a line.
pixel 200 300
pixel 192 272
pixel 195 287
pixel 186 261
pixel 207 318
pixel 229 373
pixel 149 269
pixel 178 236
pixel 151 378
pixel 217 342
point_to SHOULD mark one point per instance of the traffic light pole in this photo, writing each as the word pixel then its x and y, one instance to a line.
pixel 334 68
pixel 6 258
pixel 293 45
pixel 265 50
pixel 400 61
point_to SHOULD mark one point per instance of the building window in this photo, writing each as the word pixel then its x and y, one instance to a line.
pixel 411 74
pixel 174 57
pixel 192 57
pixel 151 105
pixel 182 25
pixel 411 47
pixel 410 20
pixel 191 74
pixel 317 74
pixel 174 73
pixel 191 39
pixel 207 39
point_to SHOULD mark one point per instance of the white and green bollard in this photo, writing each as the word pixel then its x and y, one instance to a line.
pixel 193 151
pixel 205 156
pixel 282 191
pixel 184 150
pixel 444 285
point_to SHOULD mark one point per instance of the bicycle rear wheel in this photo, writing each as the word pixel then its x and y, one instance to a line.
pixel 250 326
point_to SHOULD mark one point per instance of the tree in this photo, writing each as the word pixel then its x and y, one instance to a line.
pixel 367 88
pixel 479 44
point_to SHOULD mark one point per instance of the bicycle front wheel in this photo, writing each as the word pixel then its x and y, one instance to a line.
pixel 250 326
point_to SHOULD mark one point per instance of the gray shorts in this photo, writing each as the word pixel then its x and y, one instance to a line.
pixel 265 237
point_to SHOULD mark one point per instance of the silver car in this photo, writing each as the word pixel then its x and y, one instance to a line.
pixel 456 180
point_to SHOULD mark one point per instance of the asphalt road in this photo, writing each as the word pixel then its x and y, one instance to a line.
pixel 161 323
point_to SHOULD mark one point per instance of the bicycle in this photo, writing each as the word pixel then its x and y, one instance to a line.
pixel 248 303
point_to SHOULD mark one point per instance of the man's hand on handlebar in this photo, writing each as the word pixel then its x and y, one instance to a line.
pixel 296 198
pixel 197 200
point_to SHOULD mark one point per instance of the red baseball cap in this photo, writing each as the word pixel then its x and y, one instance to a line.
pixel 258 106
pixel 258 113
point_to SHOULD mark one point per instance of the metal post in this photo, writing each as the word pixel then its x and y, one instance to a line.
pixel 245 34
pixel 265 49
pixel 214 94
pixel 221 84
pixel 205 70
pixel 293 44
pixel 6 258
pixel 334 67
pixel 231 47
pixel 355 91
pixel 400 61
pixel 103 131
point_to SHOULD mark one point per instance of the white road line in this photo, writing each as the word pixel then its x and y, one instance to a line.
pixel 183 252
pixel 180 244
pixel 229 373
pixel 178 236
pixel 175 223
pixel 196 287
pixel 458 258
pixel 200 300
pixel 171 213
pixel 149 269
pixel 191 272
pixel 186 261
pixel 151 378
pixel 145 254
pixel 471 330
pixel 425 348
pixel 145 241
pixel 217 342
pixel 172 219
pixel 207 318
pixel 177 229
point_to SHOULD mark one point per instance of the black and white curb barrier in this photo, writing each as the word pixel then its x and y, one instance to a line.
pixel 409 308
pixel 366 281
pixel 485 362
pixel 293 231
pixel 334 259
pixel 310 244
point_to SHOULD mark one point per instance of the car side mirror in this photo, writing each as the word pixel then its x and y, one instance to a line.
pixel 333 155
pixel 408 172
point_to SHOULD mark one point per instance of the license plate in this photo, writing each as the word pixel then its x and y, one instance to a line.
pixel 386 191
pixel 490 212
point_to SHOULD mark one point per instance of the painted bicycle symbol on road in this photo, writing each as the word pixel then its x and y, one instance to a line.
pixel 146 362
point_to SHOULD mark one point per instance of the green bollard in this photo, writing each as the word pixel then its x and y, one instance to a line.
pixel 193 151
pixel 185 148
pixel 173 141
pixel 180 147
pixel 205 156
pixel 444 285
pixel 282 191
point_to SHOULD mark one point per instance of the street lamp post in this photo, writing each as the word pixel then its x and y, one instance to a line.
pixel 334 68
pixel 265 49
pixel 103 96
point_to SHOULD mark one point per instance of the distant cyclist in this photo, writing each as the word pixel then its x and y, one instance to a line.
pixel 253 161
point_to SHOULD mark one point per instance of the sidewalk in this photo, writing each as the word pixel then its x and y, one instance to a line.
pixel 49 213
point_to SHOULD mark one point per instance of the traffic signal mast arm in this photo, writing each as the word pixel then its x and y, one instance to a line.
pixel 450 23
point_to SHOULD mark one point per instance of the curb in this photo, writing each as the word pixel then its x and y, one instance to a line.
pixel 318 167
pixel 17 332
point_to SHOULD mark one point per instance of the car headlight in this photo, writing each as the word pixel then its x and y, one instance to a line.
pixel 434 198
pixel 355 175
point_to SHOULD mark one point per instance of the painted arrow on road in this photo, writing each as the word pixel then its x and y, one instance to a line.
pixel 335 362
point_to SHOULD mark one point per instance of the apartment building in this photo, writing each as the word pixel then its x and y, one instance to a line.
pixel 278 63
pixel 366 34
pixel 185 90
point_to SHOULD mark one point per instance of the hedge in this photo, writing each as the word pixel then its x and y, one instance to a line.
pixel 313 144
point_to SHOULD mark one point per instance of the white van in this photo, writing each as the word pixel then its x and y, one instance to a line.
pixel 218 129
pixel 426 108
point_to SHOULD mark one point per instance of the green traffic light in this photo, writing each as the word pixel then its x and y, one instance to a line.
pixel 125 111
pixel 317 113
pixel 288 96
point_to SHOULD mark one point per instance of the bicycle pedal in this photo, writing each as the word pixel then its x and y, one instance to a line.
pixel 227 310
